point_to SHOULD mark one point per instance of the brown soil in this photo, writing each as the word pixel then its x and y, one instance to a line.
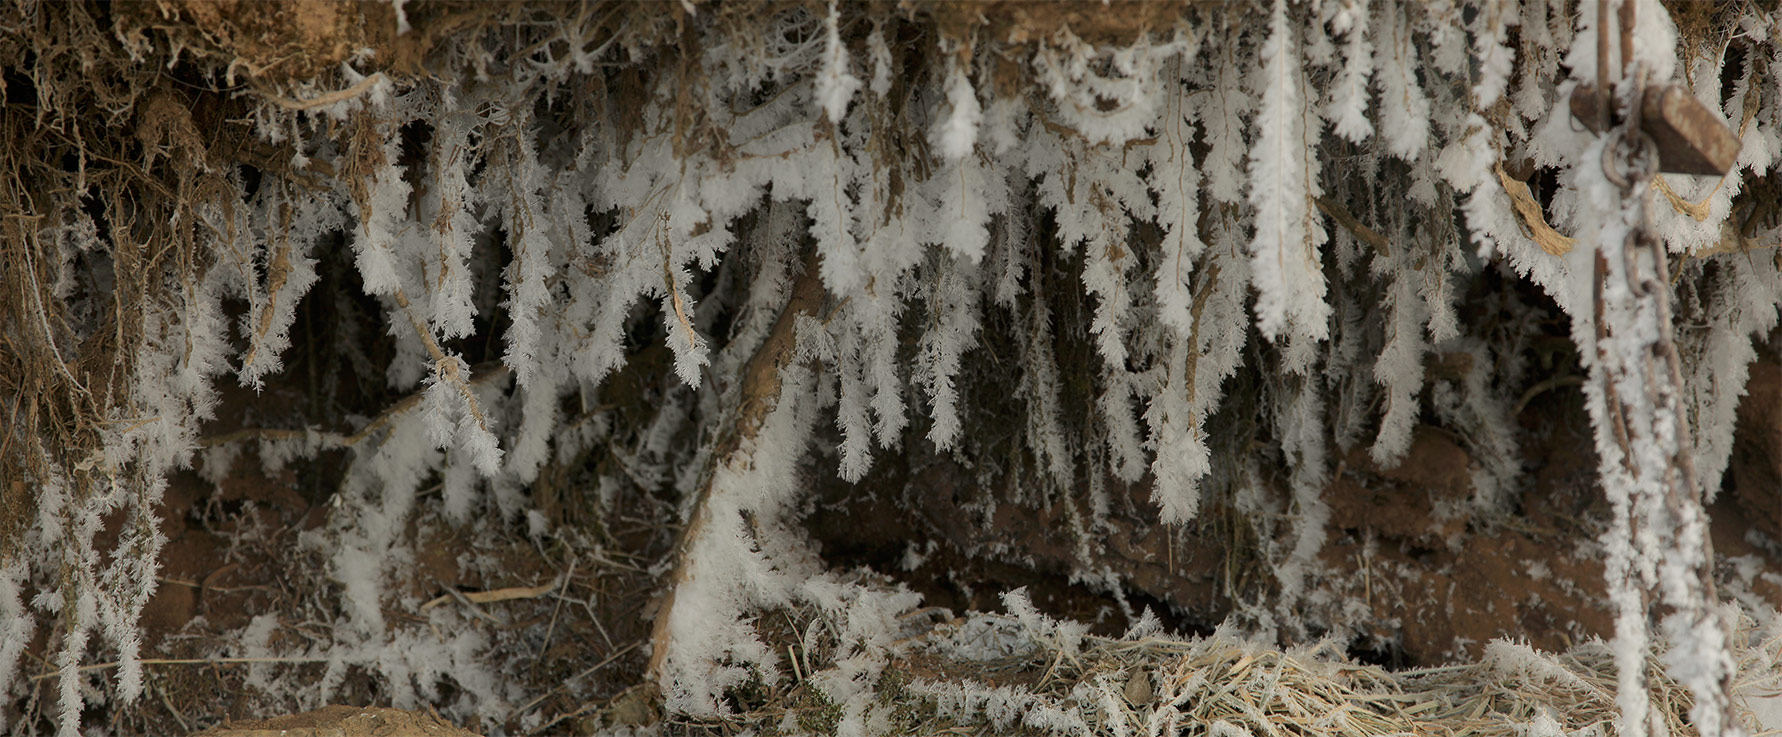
pixel 271 43
pixel 1431 585
pixel 233 554
pixel 1756 468
pixel 1418 583
pixel 1031 21
pixel 342 721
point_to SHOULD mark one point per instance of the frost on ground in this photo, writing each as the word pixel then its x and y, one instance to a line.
pixel 490 295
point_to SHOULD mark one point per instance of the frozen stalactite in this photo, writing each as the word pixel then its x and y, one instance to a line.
pixel 1404 110
pixel 956 134
pixel 1399 368
pixel 1176 183
pixel 1349 101
pixel 1299 418
pixel 953 304
pixel 380 213
pixel 1284 260
pixel 836 84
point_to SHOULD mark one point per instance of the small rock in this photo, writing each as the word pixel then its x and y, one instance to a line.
pixel 1139 691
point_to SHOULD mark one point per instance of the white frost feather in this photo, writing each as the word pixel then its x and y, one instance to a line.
pixel 1284 260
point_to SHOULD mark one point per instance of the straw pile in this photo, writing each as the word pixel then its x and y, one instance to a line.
pixel 997 675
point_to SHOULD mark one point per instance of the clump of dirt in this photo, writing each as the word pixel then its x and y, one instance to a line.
pixel 342 721
pixel 265 41
pixel 1118 23
pixel 272 44
pixel 268 44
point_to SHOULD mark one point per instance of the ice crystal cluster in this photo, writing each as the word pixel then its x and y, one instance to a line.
pixel 823 212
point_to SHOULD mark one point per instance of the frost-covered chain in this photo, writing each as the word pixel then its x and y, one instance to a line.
pixel 1659 552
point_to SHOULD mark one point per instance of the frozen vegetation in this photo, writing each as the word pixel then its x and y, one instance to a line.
pixel 824 211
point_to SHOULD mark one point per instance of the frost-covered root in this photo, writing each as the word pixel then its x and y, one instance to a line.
pixel 740 553
pixel 698 620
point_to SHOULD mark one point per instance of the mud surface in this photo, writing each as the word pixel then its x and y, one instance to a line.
pixel 1413 578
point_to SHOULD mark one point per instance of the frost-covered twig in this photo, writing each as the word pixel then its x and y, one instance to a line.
pixel 330 98
pixel 757 395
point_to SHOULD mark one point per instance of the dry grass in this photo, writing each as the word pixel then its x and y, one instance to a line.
pixel 1218 685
